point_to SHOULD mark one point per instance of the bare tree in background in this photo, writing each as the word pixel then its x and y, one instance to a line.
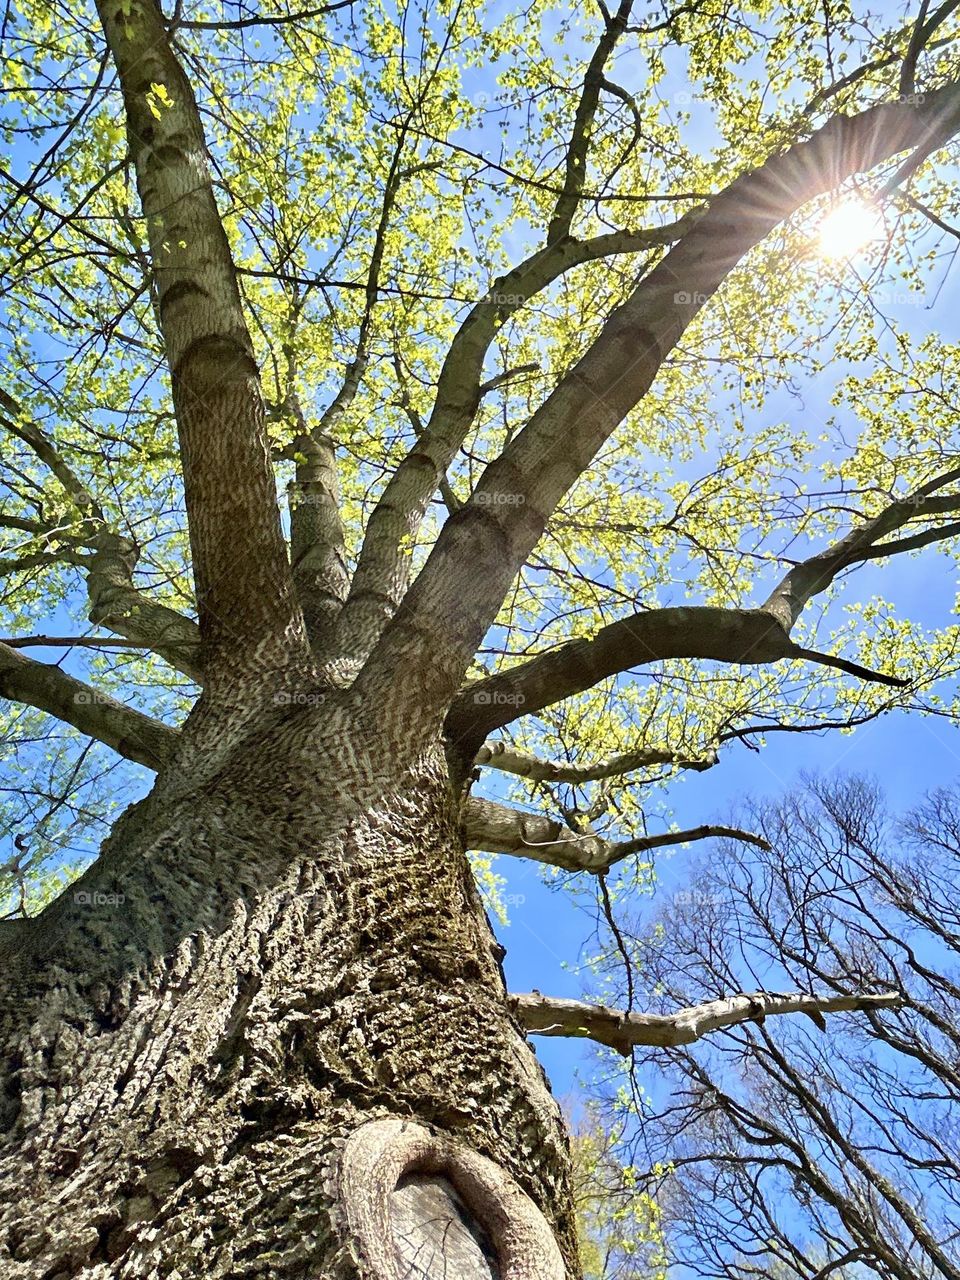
pixel 793 1152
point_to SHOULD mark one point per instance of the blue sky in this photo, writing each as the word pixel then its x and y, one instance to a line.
pixel 907 753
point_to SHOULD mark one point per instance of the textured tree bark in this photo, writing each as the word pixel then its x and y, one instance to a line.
pixel 249 975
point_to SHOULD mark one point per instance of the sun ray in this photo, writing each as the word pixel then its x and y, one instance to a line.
pixel 849 227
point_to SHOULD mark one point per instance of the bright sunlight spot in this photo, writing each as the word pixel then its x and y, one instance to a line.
pixel 848 228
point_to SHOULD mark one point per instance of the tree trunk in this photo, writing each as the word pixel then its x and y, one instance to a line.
pixel 202 1031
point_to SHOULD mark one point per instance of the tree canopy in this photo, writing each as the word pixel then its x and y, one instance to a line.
pixel 437 215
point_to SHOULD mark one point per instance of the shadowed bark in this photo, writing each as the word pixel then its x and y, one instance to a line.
pixel 299 1015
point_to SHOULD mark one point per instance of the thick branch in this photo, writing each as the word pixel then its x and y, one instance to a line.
pixel 920 40
pixel 317 544
pixel 113 599
pixel 29 560
pixel 130 733
pixel 746 636
pixel 575 164
pixel 816 573
pixel 509 759
pixel 381 576
pixel 497 828
pixel 908 68
pixel 738 636
pixel 543 1016
pixel 18 423
pixel 116 603
pixel 490 538
pixel 249 619
pixel 915 541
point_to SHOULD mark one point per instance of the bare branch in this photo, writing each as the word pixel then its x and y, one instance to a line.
pixel 497 828
pixel 508 375
pixel 128 732
pixel 851 668
pixel 816 727
pixel 544 1016
pixel 29 560
pixel 70 642
pixel 22 525
pixel 267 20
pixel 908 68
pixel 906 198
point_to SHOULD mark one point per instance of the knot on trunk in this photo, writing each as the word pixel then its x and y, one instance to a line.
pixel 418 1205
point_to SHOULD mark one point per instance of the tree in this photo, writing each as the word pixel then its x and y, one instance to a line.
pixel 619 1226
pixel 267 1026
pixel 831 1155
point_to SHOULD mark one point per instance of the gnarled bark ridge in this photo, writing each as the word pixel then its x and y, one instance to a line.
pixel 189 1063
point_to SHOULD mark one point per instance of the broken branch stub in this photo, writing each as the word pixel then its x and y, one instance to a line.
pixel 419 1204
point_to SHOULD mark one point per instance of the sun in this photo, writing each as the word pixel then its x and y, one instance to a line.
pixel 849 227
